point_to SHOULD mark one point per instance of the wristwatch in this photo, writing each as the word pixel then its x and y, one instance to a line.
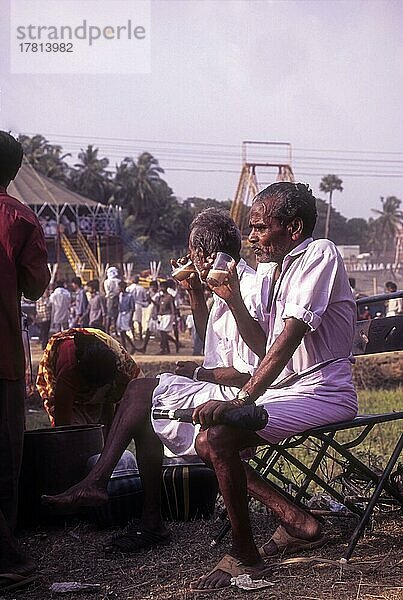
pixel 242 398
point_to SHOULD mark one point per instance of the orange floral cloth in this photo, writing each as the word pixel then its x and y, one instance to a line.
pixel 46 378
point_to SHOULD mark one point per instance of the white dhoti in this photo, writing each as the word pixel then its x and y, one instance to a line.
pixel 124 321
pixel 165 323
pixel 173 392
pixel 320 398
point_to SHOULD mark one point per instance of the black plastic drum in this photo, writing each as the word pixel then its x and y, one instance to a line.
pixel 53 460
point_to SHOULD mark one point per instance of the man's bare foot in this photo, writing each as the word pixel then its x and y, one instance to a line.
pixel 228 567
pixel 75 497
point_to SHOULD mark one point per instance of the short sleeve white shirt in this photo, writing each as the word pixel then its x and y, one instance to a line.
pixel 313 287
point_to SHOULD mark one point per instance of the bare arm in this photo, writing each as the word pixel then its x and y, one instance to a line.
pixel 219 375
pixel 223 376
pixel 277 357
pixel 271 366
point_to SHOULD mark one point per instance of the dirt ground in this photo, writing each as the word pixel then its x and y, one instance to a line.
pixel 73 552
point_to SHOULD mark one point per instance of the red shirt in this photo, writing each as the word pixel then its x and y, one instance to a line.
pixel 23 269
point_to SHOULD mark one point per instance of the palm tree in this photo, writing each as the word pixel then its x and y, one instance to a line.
pixel 373 241
pixel 45 158
pixel 138 185
pixel 34 149
pixel 149 183
pixel 388 222
pixel 89 177
pixel 329 184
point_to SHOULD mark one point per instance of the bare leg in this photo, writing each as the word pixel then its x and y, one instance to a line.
pixel 220 447
pixel 108 325
pixel 295 521
pixel 126 341
pixel 145 343
pixel 174 341
pixel 132 419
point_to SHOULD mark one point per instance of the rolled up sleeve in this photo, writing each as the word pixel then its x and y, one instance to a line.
pixel 312 287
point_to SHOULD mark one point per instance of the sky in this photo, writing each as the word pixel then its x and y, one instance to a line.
pixel 325 76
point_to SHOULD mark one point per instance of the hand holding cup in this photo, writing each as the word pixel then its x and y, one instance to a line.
pixel 185 272
pixel 219 270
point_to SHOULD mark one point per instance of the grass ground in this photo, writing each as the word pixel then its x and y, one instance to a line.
pixel 72 551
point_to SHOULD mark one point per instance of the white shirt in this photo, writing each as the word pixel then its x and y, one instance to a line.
pixel 60 300
pixel 263 290
pixel 224 347
pixel 111 287
pixel 139 294
pixel 313 287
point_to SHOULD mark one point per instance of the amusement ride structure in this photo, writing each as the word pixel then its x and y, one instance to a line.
pixel 259 158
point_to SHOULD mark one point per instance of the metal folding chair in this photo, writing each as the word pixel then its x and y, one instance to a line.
pixel 297 467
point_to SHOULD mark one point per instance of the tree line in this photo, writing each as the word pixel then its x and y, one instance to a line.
pixel 153 216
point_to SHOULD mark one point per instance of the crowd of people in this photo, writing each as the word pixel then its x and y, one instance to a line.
pixel 122 309
pixel 279 338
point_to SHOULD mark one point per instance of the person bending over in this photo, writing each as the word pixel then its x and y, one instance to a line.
pixel 83 374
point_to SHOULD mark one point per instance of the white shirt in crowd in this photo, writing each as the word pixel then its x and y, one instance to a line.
pixel 60 301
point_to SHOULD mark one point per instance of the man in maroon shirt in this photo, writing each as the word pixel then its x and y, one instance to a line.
pixel 23 268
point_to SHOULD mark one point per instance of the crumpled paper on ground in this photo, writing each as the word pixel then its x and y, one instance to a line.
pixel 245 582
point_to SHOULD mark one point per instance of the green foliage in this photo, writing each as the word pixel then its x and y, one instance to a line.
pixel 45 158
pixel 89 177
pixel 388 221
pixel 330 183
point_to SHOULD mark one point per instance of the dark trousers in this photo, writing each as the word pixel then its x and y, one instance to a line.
pixel 44 327
pixel 11 444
